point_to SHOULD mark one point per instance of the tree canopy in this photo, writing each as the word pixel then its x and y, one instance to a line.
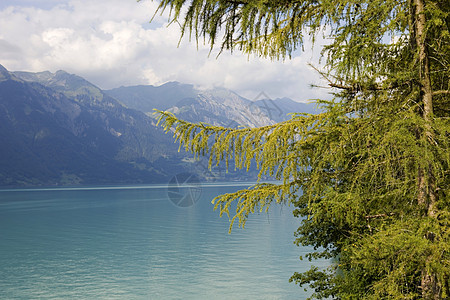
pixel 369 175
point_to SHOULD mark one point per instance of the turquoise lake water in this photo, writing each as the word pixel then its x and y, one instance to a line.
pixel 134 243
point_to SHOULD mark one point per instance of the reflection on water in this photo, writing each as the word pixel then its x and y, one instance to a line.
pixel 133 243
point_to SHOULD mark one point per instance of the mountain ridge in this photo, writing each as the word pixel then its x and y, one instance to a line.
pixel 60 129
pixel 217 106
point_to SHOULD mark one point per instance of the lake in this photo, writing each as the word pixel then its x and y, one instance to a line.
pixel 137 242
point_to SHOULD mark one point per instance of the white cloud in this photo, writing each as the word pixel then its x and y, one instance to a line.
pixel 110 43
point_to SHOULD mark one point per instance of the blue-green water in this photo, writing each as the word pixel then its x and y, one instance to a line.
pixel 133 243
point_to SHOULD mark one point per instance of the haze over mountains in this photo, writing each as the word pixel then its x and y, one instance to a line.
pixel 59 129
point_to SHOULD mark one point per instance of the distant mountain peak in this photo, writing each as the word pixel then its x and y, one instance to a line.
pixel 59 78
pixel 172 83
pixel 3 69
pixel 69 84
pixel 7 75
pixel 148 97
pixel 4 74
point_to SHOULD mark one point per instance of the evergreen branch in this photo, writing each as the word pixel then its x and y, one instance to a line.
pixel 265 146
pixel 357 87
pixel 256 198
pixel 441 92
pixel 379 216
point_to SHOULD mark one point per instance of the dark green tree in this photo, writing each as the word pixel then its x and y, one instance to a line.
pixel 368 176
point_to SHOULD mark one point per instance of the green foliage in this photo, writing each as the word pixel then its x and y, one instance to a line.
pixel 369 176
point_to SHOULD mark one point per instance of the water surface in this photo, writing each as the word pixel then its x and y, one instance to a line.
pixel 133 243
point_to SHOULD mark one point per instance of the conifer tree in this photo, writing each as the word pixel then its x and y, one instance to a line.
pixel 369 175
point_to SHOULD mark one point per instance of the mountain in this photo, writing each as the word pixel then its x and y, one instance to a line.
pixel 137 134
pixel 279 109
pixel 147 97
pixel 59 129
pixel 217 106
pixel 220 107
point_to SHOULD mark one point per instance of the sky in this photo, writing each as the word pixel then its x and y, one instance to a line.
pixel 112 43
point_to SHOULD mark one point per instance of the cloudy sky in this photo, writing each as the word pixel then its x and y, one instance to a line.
pixel 111 43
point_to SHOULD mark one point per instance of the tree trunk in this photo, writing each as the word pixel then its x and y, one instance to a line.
pixel 427 196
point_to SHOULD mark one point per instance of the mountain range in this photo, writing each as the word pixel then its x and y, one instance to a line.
pixel 59 129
